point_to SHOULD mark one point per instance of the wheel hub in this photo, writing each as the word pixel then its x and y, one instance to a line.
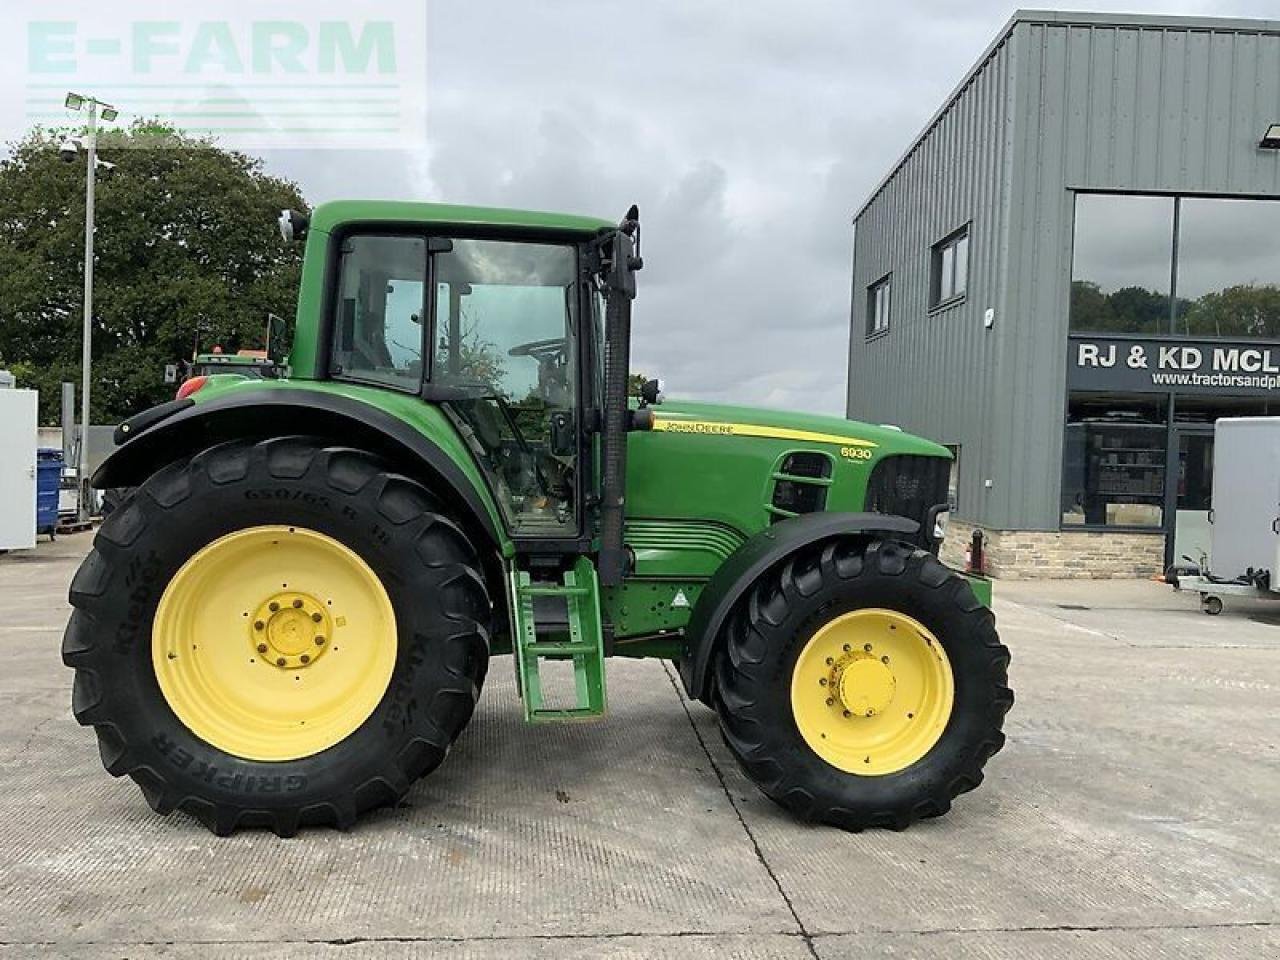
pixel 865 686
pixel 291 630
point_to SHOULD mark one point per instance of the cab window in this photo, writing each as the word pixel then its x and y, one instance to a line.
pixel 378 327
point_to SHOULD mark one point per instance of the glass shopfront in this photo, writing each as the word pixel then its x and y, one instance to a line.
pixel 1174 323
pixel 1183 266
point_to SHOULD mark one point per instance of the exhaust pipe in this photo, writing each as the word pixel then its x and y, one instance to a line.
pixel 620 285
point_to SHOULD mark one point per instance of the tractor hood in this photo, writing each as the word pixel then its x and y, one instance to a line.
pixel 716 466
pixel 713 419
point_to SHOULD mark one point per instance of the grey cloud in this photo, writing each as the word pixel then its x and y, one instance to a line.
pixel 747 132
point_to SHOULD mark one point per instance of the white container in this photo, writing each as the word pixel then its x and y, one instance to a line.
pixel 1246 497
pixel 18 469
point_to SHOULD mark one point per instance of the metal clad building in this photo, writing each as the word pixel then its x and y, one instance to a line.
pixel 968 308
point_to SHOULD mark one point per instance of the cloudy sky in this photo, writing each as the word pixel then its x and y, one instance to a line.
pixel 747 131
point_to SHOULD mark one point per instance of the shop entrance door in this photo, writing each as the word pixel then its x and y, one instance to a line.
pixel 1190 533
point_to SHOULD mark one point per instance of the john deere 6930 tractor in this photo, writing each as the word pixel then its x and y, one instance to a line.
pixel 290 619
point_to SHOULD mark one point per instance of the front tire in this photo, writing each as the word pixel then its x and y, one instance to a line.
pixel 277 634
pixel 863 685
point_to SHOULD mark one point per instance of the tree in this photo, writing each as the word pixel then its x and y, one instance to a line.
pixel 1247 310
pixel 186 240
pixel 1090 308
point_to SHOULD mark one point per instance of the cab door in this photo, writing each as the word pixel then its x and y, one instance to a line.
pixel 506 359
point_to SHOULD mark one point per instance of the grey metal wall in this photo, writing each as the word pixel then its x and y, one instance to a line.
pixel 933 373
pixel 1089 102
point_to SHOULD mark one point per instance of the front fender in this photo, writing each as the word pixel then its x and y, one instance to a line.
pixel 736 575
pixel 173 431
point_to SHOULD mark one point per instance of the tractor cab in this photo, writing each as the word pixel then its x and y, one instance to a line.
pixel 492 331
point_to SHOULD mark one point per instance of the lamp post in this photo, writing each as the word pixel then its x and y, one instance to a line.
pixel 69 151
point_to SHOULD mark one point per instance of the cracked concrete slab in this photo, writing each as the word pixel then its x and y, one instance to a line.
pixel 1136 789
pixel 1221 943
pixel 651 947
pixel 1135 798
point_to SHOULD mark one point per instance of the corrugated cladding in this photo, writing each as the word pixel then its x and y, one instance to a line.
pixel 1062 102
pixel 933 372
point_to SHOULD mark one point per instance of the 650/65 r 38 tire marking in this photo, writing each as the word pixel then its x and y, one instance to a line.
pixel 241 759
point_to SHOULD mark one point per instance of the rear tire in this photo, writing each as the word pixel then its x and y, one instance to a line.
pixel 423 561
pixel 787 611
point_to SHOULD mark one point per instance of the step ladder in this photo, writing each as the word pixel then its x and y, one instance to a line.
pixel 583 642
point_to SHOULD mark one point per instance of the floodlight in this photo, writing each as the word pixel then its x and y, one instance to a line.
pixel 1271 139
pixel 109 113
pixel 74 101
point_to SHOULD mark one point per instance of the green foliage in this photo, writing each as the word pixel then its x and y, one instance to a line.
pixel 185 239
pixel 1247 310
pixel 1127 310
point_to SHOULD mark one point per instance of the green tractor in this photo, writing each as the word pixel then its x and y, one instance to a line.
pixel 245 363
pixel 290 619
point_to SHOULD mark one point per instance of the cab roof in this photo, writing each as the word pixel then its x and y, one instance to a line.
pixel 328 216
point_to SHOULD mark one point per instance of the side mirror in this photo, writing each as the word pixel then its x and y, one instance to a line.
pixel 277 333
pixel 650 392
pixel 293 225
pixel 563 442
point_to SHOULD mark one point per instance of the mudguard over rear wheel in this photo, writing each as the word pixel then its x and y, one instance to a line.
pixel 277 634
pixel 863 685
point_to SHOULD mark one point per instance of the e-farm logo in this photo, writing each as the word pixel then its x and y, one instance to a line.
pixel 280 74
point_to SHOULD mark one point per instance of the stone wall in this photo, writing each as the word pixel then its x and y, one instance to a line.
pixel 1065 554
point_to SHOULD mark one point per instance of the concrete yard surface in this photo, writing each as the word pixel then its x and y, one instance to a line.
pixel 1132 814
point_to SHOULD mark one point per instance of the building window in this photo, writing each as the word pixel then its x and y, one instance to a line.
pixel 1113 461
pixel 878 306
pixel 1228 279
pixel 950 274
pixel 1196 266
pixel 1122 264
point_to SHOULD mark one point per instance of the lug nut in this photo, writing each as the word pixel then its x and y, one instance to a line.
pixel 871 713
pixel 304 658
pixel 259 625
pixel 822 682
pixel 273 606
pixel 262 648
pixel 297 603
pixel 830 702
pixel 317 616
pixel 280 661
pixel 830 661
pixel 866 647
pixel 848 714
pixel 319 641
pixel 884 659
pixel 846 648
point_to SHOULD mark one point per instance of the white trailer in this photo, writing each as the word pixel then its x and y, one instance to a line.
pixel 1244 556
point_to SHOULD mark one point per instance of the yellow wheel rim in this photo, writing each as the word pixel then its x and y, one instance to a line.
pixel 872 691
pixel 274 643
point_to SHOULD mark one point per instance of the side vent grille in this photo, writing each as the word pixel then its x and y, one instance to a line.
pixel 807 465
pixel 800 484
